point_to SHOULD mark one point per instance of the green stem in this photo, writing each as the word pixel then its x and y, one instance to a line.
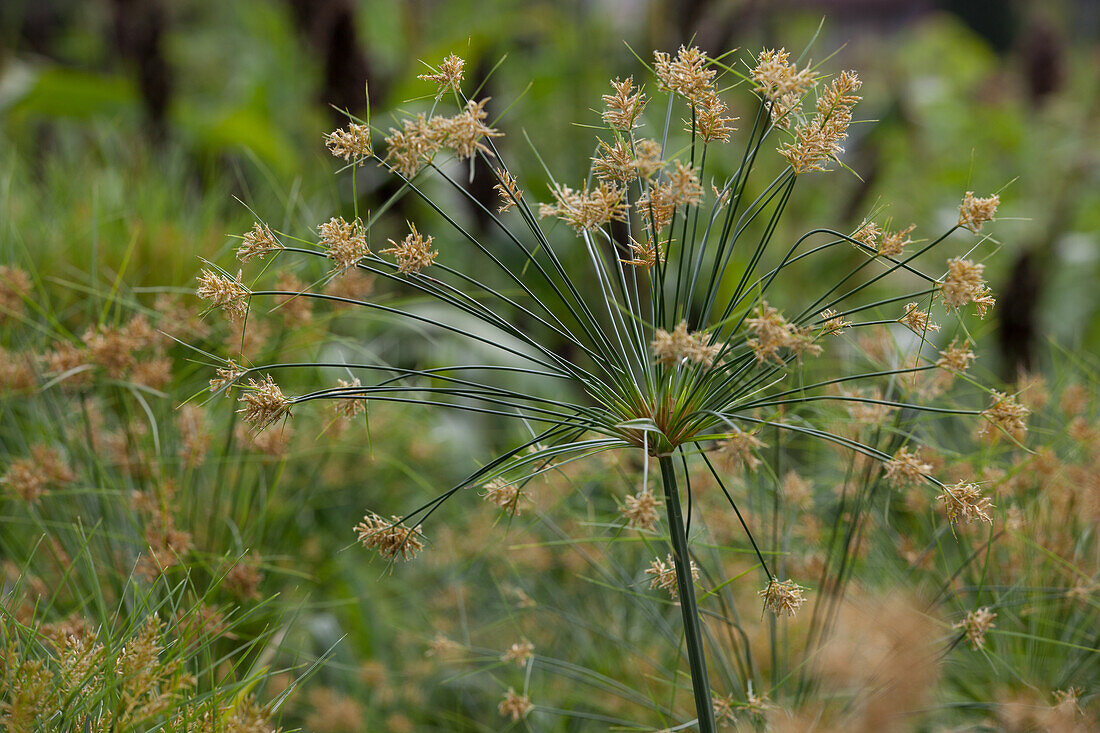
pixel 693 635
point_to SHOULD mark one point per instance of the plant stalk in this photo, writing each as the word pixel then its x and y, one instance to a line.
pixel 693 634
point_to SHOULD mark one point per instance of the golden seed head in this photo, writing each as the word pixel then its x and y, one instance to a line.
pixel 1007 414
pixel 15 286
pixel 741 447
pixel 344 242
pixel 624 106
pixel 771 332
pixel 819 139
pixel 463 132
pixel 505 495
pixel 229 294
pixel 264 403
pixel 905 469
pixel 514 706
pixel 783 598
pixel 964 502
pixel 257 243
pixel 964 284
pixel 781 84
pixel 413 253
pixel 868 234
pixel 686 75
pixel 918 320
pixel 389 537
pixel 226 375
pixel 893 243
pixel 509 191
pixel 975 625
pixel 664 575
pixel 349 407
pixel 518 653
pixel 833 324
pixel 711 124
pixel 973 212
pixel 585 210
pixel 448 76
pixel 640 510
pixel 409 148
pixel 351 143
pixel 680 346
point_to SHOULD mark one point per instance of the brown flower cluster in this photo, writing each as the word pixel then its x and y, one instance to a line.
pixel 640 510
pixel 975 625
pixel 15 287
pixel 344 242
pixel 257 242
pixel 905 469
pixel 585 210
pixel 1006 414
pixel 833 324
pixel 505 495
pixel 918 320
pixel 664 575
pixel 965 502
pixel 659 202
pixel 350 143
pixel 689 76
pixel 28 478
pixel 964 284
pixel 781 84
pixel 819 139
pixel 421 138
pixel 624 106
pixel 229 294
pixel 771 332
pixel 389 537
pixel 448 76
pixel 783 598
pixel 740 447
pixel 413 253
pixel 625 161
pixel 514 706
pixel 973 212
pixel 508 189
pixel 680 346
pixel 264 403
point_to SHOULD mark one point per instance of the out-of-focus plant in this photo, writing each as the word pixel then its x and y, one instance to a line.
pixel 670 346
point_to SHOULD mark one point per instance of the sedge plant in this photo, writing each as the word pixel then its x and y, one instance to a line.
pixel 635 306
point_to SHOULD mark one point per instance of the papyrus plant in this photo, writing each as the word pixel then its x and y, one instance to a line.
pixel 665 343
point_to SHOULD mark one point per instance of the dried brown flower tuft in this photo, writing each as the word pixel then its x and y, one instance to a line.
pixel 819 139
pixel 964 284
pixel 509 191
pixel 624 106
pixel 973 212
pixel 664 575
pixel 918 320
pixel 229 294
pixel 781 84
pixel 264 403
pixel 448 76
pixel 772 332
pixel 964 502
pixel 413 253
pixel 975 625
pixel 389 537
pixel 680 346
pixel 505 495
pixel 514 706
pixel 352 143
pixel 783 598
pixel 640 510
pixel 584 210
pixel 345 242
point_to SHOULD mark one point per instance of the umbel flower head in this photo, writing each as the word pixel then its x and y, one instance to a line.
pixel 650 323
pixel 783 598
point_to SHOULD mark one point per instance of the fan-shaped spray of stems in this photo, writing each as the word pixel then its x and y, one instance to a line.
pixel 672 345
